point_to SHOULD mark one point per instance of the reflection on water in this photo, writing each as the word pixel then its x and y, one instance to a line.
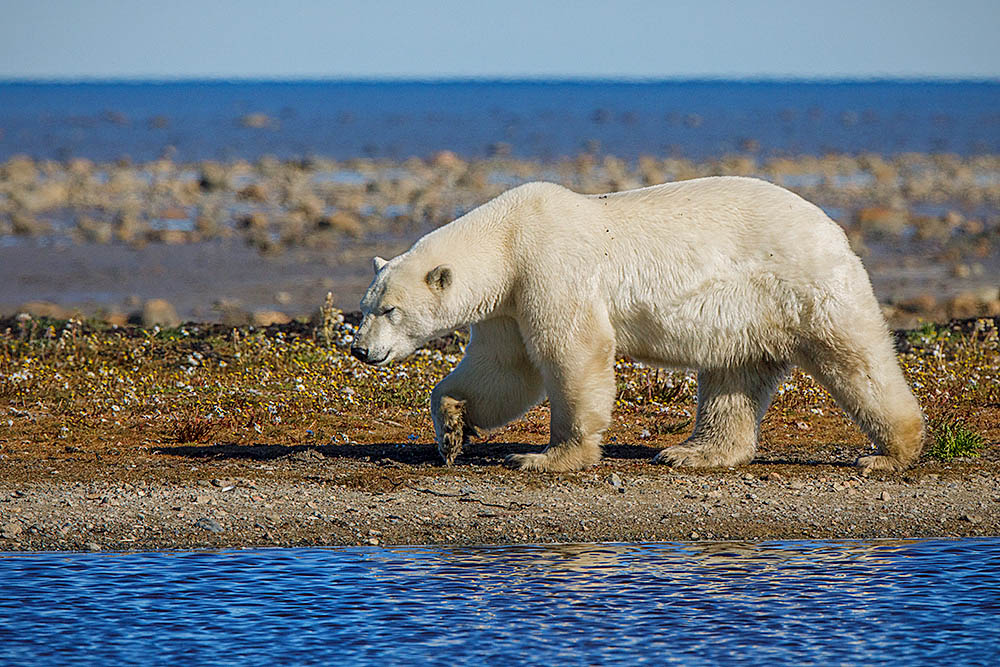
pixel 787 602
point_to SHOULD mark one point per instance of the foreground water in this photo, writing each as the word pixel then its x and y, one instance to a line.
pixel 192 120
pixel 785 602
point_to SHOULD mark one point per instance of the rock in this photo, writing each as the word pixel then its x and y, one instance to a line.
pixel 23 224
pixel 881 220
pixel 343 222
pixel 447 160
pixel 93 546
pixel 169 236
pixel 616 481
pixel 253 221
pixel 159 312
pixel 209 524
pixel 963 305
pixel 234 316
pixel 961 271
pixel 309 205
pixel 922 303
pixel 116 318
pixel 10 530
pixel 95 231
pixel 258 121
pixel 885 496
pixel 213 177
pixel 253 192
pixel 45 309
pixel 971 518
pixel 265 318
pixel 986 294
pixel 19 170
pixel 306 455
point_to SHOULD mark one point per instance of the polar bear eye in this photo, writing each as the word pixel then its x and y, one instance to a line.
pixel 388 311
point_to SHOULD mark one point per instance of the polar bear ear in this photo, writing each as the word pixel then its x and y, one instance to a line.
pixel 439 277
pixel 378 263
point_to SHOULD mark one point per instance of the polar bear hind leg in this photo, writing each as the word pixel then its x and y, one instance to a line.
pixel 865 379
pixel 495 383
pixel 731 403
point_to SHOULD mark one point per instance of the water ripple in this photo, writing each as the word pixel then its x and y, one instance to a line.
pixel 784 602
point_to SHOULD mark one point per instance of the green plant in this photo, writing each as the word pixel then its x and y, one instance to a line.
pixel 952 439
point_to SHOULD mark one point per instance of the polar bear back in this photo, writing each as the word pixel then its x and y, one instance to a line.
pixel 698 272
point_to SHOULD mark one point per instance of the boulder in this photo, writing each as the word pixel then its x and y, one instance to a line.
pixel 159 312
pixel 265 318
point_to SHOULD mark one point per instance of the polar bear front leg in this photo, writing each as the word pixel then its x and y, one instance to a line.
pixel 495 383
pixel 581 393
pixel 731 403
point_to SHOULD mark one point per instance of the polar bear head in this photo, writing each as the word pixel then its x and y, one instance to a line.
pixel 409 302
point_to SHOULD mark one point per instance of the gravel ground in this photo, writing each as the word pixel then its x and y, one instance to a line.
pixel 232 496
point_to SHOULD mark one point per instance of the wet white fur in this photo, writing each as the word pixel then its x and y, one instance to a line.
pixel 735 277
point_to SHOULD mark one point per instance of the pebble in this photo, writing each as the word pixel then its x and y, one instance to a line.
pixel 10 530
pixel 616 481
pixel 209 524
pixel 885 496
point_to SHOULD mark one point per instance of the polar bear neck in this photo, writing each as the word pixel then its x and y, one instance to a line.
pixel 476 247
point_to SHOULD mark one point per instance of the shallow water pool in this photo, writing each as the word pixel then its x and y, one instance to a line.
pixel 775 602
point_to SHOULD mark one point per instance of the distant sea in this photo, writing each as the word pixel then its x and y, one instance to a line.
pixel 196 120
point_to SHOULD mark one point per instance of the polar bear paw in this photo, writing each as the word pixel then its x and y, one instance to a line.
pixel 870 464
pixel 699 457
pixel 454 433
pixel 527 462
pixel 559 460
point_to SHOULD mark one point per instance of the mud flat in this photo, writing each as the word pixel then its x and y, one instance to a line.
pixel 207 436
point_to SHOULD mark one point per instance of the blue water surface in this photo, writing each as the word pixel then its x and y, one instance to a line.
pixel 932 601
pixel 197 120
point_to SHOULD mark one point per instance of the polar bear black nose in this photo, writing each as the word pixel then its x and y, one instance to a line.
pixel 360 353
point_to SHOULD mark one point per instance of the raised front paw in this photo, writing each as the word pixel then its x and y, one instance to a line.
pixel 453 432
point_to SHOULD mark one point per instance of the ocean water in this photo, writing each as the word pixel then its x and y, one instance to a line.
pixel 538 119
pixel 898 602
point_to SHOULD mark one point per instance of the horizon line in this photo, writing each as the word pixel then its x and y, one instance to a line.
pixel 518 79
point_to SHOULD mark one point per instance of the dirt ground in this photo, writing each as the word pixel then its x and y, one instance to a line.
pixel 137 496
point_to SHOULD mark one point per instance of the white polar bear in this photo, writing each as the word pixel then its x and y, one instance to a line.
pixel 735 277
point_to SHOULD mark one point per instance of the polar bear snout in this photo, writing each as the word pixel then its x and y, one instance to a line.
pixel 365 355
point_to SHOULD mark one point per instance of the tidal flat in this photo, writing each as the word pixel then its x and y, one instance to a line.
pixel 261 242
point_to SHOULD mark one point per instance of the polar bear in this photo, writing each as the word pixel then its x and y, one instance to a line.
pixel 735 277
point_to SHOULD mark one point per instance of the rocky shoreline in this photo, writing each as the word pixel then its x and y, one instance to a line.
pixel 310 497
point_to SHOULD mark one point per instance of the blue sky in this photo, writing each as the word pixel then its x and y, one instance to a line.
pixel 512 38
